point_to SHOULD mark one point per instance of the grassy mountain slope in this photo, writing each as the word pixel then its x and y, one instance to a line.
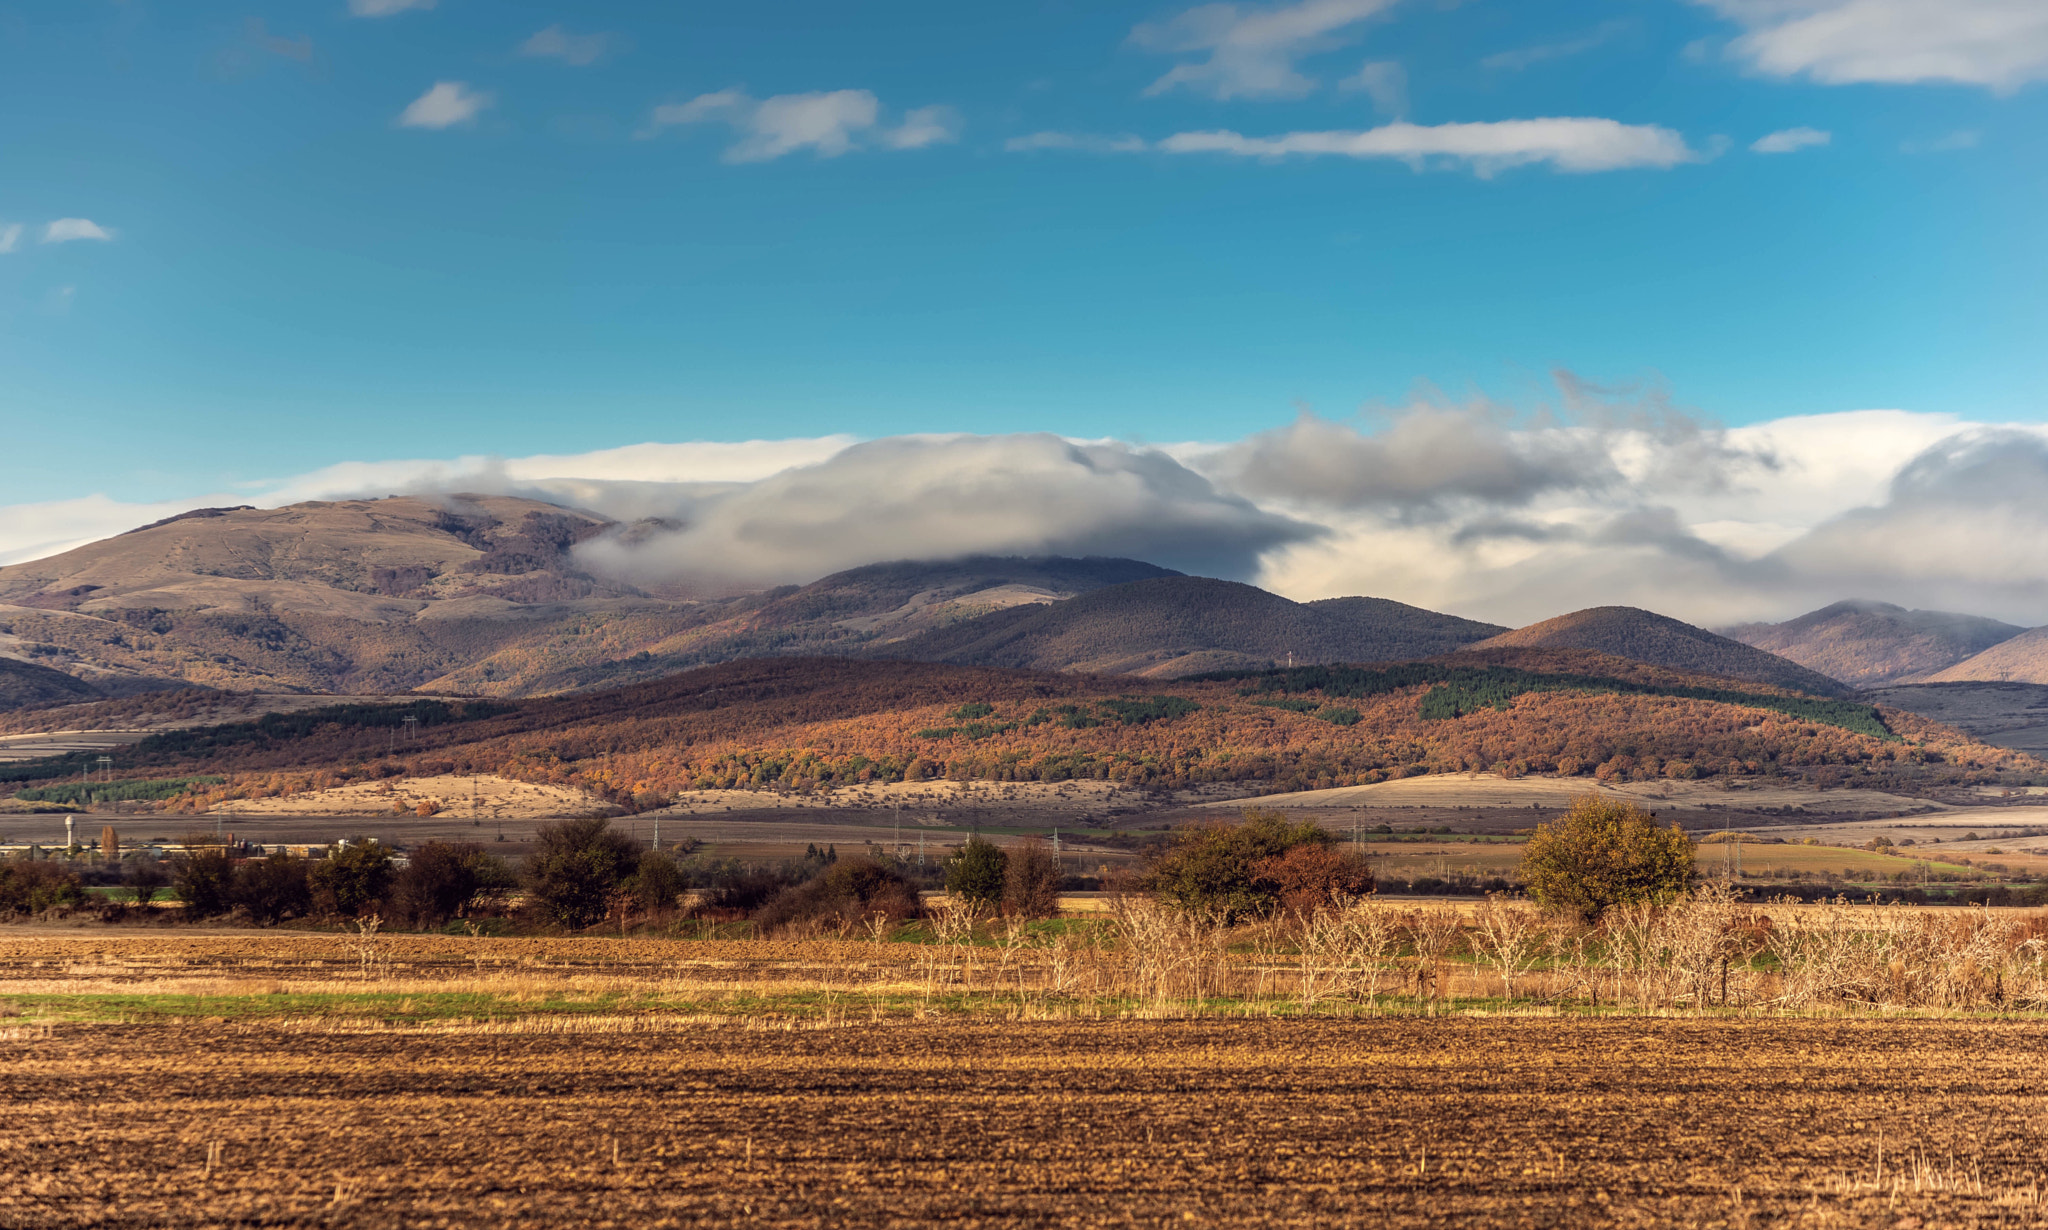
pixel 1627 632
pixel 803 722
pixel 2021 659
pixel 1184 625
pixel 1872 644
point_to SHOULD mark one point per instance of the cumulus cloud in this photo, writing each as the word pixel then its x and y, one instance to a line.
pixel 447 104
pixel 1252 52
pixel 828 123
pixel 1566 143
pixel 556 43
pixel 1790 141
pixel 1383 81
pixel 385 8
pixel 64 230
pixel 2000 44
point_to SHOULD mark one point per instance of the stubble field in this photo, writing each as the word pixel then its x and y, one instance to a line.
pixel 226 1080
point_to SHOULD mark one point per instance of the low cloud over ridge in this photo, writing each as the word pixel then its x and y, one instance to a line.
pixel 1605 495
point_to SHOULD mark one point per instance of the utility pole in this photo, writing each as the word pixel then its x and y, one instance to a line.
pixel 107 768
pixel 412 724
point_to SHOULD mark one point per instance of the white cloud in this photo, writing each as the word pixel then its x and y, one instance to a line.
pixel 1092 143
pixel 1605 496
pixel 1383 81
pixel 2001 44
pixel 941 497
pixel 1523 57
pixel 1960 139
pixel 1252 52
pixel 829 123
pixel 1790 140
pixel 924 126
pixel 447 104
pixel 64 230
pixel 557 43
pixel 1568 144
pixel 10 236
pixel 385 8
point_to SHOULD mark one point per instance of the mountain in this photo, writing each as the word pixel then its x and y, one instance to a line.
pixel 1659 640
pixel 2020 659
pixel 368 560
pixel 1873 644
pixel 474 595
pixel 1177 625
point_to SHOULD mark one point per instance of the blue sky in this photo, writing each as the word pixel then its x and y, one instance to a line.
pixel 296 277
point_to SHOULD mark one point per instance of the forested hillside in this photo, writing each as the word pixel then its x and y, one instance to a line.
pixel 804 723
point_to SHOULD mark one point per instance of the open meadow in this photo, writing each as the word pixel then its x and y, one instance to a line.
pixel 322 1080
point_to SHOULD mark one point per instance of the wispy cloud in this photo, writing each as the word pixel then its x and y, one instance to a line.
pixel 1960 139
pixel 2000 44
pixel 1252 52
pixel 1523 57
pixel 447 104
pixel 385 8
pixel 1790 141
pixel 10 237
pixel 64 230
pixel 1085 142
pixel 1383 81
pixel 581 50
pixel 828 123
pixel 1567 144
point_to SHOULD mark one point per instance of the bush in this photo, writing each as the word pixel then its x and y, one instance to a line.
pixel 1313 875
pixel 850 890
pixel 1219 868
pixel 204 877
pixel 731 886
pixel 1031 880
pixel 976 874
pixel 353 880
pixel 577 868
pixel 443 877
pixel 272 889
pixel 657 881
pixel 1603 853
pixel 30 887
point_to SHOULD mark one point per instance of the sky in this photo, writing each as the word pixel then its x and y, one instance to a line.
pixel 1722 306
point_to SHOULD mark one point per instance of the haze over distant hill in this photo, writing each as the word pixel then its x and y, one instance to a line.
pixel 1185 625
pixel 1873 644
pixel 1645 636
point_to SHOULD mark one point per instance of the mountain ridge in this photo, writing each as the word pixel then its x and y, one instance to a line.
pixel 1875 644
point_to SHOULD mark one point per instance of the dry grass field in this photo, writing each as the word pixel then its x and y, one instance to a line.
pixel 1137 1072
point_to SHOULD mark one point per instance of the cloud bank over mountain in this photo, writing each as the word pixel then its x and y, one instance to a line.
pixel 1604 496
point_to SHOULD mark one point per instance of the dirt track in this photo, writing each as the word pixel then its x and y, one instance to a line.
pixel 1386 1122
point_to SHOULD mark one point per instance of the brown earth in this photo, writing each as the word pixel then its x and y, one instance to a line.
pixel 1383 1122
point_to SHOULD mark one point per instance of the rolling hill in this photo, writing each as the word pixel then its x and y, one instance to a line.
pixel 25 683
pixel 805 723
pixel 1874 644
pixel 1171 626
pixel 1659 640
pixel 2020 659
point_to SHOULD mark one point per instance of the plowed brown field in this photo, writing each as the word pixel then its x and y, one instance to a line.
pixel 1388 1121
